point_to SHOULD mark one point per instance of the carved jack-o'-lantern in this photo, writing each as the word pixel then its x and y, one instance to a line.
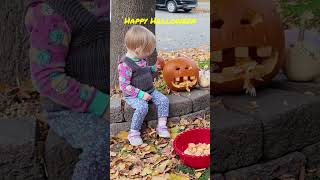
pixel 247 41
pixel 181 74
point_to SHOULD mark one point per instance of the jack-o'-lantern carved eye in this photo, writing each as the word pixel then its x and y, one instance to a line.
pixel 217 23
pixel 177 68
pixel 251 17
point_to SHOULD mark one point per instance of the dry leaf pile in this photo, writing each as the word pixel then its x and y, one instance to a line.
pixel 22 101
pixel 161 85
pixel 200 54
pixel 156 158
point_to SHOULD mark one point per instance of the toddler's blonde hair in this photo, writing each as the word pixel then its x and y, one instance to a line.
pixel 141 38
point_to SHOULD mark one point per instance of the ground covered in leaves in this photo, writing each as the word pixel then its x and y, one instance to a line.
pixel 156 158
pixel 19 101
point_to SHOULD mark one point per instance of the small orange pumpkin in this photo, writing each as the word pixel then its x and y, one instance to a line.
pixel 181 74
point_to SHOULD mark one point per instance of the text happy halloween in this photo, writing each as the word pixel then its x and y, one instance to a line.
pixel 160 21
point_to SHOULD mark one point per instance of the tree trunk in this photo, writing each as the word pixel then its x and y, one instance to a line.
pixel 119 11
pixel 14 43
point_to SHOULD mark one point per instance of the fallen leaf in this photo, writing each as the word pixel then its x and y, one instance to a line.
pixel 167 150
pixel 153 159
pixel 143 145
pixel 121 166
pixel 136 170
pixel 160 159
pixel 162 145
pixel 115 175
pixel 152 148
pixel 153 131
pixel 123 135
pixel 198 174
pixel 174 176
pixel 174 132
pixel 198 170
pixel 160 169
pixel 113 154
pixel 161 177
pixel 133 159
pixel 127 147
pixel 146 171
pixel 3 88
pixel 184 121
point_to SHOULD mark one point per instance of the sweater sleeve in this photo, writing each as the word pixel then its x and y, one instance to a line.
pixel 49 41
pixel 153 68
pixel 125 74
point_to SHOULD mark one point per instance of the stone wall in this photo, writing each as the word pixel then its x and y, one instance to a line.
pixel 17 149
pixel 272 136
pixel 186 105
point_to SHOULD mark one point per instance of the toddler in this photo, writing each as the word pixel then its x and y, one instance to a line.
pixel 136 82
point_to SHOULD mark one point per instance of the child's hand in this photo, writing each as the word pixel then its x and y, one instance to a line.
pixel 146 96
pixel 158 66
pixel 160 63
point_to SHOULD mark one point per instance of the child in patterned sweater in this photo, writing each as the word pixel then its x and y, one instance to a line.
pixel 136 82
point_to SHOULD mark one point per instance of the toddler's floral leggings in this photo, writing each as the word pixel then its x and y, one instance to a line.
pixel 141 108
pixel 91 134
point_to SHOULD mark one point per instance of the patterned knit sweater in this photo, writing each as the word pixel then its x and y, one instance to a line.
pixel 125 74
pixel 49 30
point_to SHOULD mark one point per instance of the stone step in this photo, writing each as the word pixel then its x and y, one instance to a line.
pixel 308 88
pixel 237 140
pixel 289 166
pixel 17 148
pixel 196 100
pixel 116 114
pixel 290 120
pixel 200 98
pixel 312 154
pixel 60 157
pixel 186 105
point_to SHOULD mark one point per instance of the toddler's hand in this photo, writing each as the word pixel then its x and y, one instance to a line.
pixel 146 96
pixel 160 63
pixel 158 66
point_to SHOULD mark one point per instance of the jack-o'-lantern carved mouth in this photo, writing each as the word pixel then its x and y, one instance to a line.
pixel 232 63
pixel 185 81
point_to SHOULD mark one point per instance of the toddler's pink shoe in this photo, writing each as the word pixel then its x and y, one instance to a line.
pixel 162 131
pixel 135 138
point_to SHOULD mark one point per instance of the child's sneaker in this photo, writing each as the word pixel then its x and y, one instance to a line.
pixel 163 131
pixel 135 138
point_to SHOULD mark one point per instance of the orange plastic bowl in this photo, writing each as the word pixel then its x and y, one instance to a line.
pixel 180 144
